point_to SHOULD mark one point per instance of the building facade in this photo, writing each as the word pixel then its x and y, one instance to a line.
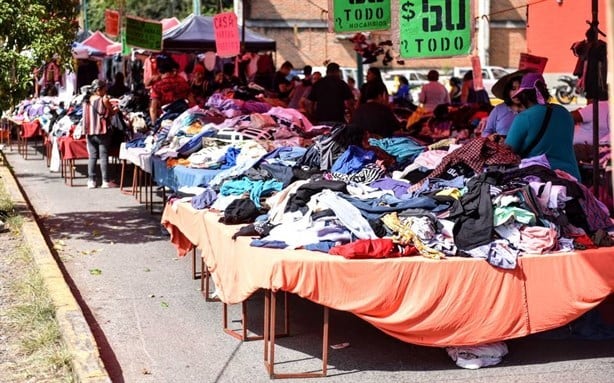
pixel 511 27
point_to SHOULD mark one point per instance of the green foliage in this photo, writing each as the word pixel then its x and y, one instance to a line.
pixel 31 32
pixel 150 9
pixel 15 78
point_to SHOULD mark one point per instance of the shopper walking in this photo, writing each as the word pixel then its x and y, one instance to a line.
pixel 97 112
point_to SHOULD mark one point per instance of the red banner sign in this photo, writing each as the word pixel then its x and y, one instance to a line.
pixel 476 65
pixel 532 62
pixel 111 23
pixel 227 43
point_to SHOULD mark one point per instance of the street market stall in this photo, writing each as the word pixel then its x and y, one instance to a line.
pixel 450 302
pixel 196 34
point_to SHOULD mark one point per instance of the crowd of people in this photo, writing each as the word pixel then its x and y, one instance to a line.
pixel 524 120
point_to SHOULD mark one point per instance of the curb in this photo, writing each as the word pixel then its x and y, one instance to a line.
pixel 77 336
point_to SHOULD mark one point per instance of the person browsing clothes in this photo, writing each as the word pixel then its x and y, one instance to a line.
pixel 583 135
pixel 97 112
pixel 501 117
pixel 433 93
pixel 542 128
pixel 330 97
pixel 170 87
pixel 375 116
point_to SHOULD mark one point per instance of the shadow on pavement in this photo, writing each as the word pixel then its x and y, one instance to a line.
pixel 372 350
pixel 130 225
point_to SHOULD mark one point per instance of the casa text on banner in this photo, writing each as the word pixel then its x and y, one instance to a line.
pixel 144 34
pixel 111 23
pixel 227 43
pixel 435 28
pixel 360 15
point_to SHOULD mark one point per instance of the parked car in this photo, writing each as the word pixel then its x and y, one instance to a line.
pixel 490 75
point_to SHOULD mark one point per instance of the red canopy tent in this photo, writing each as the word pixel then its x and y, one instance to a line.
pixel 98 41
pixel 169 23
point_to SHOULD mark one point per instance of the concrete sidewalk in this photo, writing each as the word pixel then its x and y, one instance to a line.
pixel 152 324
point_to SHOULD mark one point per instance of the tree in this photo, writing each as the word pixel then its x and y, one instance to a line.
pixel 149 9
pixel 31 33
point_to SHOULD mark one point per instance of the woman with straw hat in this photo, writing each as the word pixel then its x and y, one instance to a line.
pixel 501 117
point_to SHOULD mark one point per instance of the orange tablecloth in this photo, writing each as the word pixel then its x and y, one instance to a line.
pixel 451 302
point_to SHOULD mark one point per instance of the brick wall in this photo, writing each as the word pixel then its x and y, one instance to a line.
pixel 310 47
pixel 287 9
pixel 508 10
pixel 314 45
pixel 506 46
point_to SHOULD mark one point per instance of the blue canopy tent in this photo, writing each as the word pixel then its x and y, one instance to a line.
pixel 196 33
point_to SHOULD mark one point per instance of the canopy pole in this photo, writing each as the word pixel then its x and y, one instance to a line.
pixel 86 23
pixel 360 78
pixel 196 6
pixel 595 148
pixel 242 26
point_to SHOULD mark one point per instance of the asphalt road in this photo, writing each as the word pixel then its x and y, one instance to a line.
pixel 153 325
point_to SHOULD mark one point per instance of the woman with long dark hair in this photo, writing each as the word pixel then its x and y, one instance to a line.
pixel 373 75
pixel 501 117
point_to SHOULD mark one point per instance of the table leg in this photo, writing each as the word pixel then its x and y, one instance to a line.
pixel 205 282
pixel 135 180
pixel 141 177
pixel 65 170
pixel 121 176
pixel 151 189
pixel 71 163
pixel 147 186
pixel 48 147
pixel 242 335
pixel 269 343
pixel 195 274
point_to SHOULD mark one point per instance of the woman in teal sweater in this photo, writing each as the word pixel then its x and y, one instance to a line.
pixel 557 140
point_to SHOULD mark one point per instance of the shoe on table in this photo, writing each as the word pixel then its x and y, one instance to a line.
pixel 91 184
pixel 108 184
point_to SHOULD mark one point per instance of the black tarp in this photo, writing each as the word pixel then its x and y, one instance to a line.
pixel 196 33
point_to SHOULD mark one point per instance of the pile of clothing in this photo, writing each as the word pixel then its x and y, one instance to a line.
pixel 348 198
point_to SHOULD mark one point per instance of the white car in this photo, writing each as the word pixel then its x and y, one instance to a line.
pixel 490 75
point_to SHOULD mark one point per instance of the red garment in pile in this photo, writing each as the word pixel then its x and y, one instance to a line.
pixel 373 248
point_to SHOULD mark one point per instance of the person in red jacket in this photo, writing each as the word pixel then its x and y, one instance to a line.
pixel 169 88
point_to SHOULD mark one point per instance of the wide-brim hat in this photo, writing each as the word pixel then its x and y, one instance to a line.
pixel 501 84
pixel 529 81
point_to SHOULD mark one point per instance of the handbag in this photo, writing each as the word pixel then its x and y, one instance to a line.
pixel 541 132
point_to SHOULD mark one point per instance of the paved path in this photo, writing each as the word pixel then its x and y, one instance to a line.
pixel 152 324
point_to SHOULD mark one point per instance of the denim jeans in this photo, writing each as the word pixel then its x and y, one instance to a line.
pixel 98 147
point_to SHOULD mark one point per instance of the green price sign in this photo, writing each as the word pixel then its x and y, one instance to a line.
pixel 361 15
pixel 144 34
pixel 126 50
pixel 435 28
